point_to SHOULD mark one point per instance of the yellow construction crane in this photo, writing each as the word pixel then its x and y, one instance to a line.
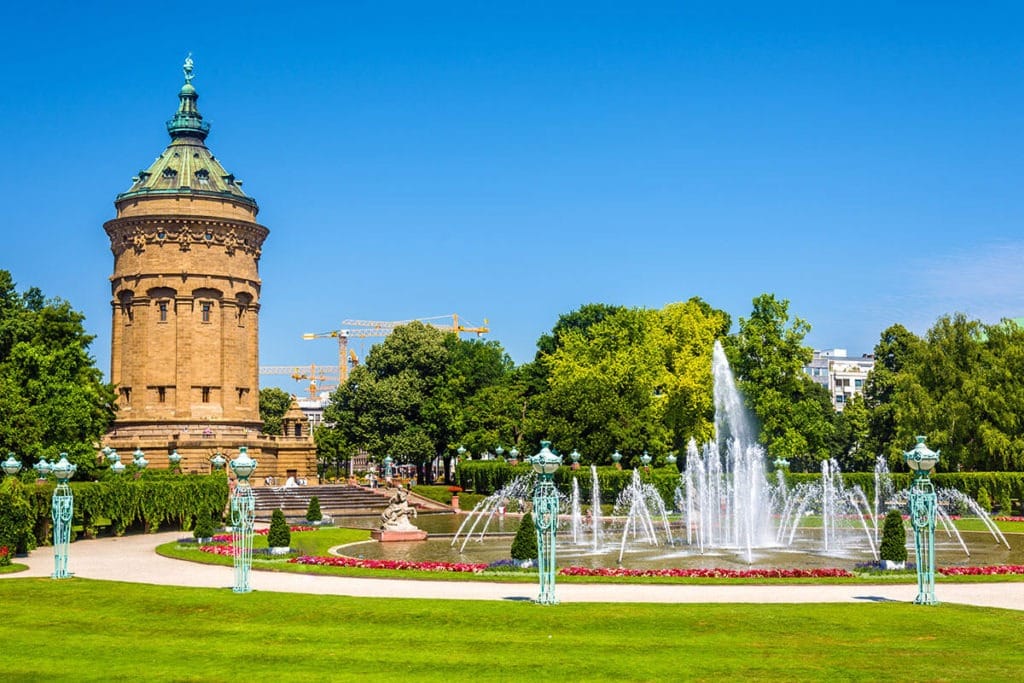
pixel 316 374
pixel 365 329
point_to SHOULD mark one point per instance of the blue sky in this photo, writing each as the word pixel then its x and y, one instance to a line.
pixel 514 161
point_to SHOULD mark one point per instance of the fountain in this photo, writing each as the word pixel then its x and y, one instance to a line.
pixel 641 506
pixel 727 509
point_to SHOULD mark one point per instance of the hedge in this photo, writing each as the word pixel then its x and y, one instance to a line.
pixel 123 503
pixel 484 477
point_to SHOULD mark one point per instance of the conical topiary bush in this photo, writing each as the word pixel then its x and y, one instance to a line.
pixel 894 538
pixel 280 536
pixel 524 545
pixel 313 513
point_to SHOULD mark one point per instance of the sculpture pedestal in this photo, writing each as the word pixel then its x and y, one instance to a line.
pixel 389 535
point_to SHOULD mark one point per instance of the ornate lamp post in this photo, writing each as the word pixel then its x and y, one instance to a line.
pixel 218 461
pixel 42 468
pixel 11 466
pixel 499 451
pixel 671 458
pixel 545 519
pixel 388 472
pixel 922 461
pixel 174 458
pixel 118 467
pixel 616 457
pixel 575 457
pixel 645 460
pixel 243 514
pixel 514 455
pixel 62 509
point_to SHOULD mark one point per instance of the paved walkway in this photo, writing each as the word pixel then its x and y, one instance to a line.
pixel 132 559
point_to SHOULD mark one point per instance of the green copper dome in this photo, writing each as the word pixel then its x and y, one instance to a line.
pixel 187 166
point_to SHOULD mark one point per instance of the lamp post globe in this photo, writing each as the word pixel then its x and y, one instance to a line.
pixel 616 458
pixel 499 451
pixel 923 503
pixel 113 456
pixel 671 458
pixel 242 465
pixel 575 455
pixel 545 519
pixel 388 471
pixel 62 469
pixel 514 453
pixel 218 461
pixel 118 467
pixel 174 458
pixel 11 466
pixel 42 468
pixel 645 459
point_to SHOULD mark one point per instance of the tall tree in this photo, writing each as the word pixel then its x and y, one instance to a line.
pixel 274 403
pixel 632 381
pixel 52 396
pixel 768 356
pixel 408 399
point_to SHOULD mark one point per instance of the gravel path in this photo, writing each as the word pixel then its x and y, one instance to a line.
pixel 132 559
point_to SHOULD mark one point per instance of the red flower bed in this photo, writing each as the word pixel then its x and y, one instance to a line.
pixel 708 573
pixel 390 564
pixel 227 550
pixel 1003 518
pixel 982 571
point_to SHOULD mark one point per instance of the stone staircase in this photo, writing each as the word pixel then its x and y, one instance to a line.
pixel 335 500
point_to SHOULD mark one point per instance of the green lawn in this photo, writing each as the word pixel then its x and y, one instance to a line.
pixel 120 631
pixel 318 543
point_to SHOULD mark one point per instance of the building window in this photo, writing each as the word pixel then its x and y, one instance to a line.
pixel 298 429
pixel 241 394
pixel 162 306
pixel 161 394
pixel 858 383
pixel 206 394
pixel 205 308
pixel 840 398
pixel 126 394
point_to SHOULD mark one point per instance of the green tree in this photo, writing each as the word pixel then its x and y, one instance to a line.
pixel 52 396
pixel 524 545
pixel 768 356
pixel 274 403
pixel 634 380
pixel 313 513
pixel 408 399
pixel 279 536
pixel 894 538
pixel 894 378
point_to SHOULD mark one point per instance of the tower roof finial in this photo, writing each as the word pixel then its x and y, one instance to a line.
pixel 187 68
pixel 187 121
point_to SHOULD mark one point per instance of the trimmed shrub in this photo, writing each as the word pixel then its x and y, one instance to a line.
pixel 984 499
pixel 1005 506
pixel 205 527
pixel 524 545
pixel 280 536
pixel 894 538
pixel 313 513
pixel 16 520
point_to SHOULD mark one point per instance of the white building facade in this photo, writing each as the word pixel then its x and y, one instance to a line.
pixel 842 375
